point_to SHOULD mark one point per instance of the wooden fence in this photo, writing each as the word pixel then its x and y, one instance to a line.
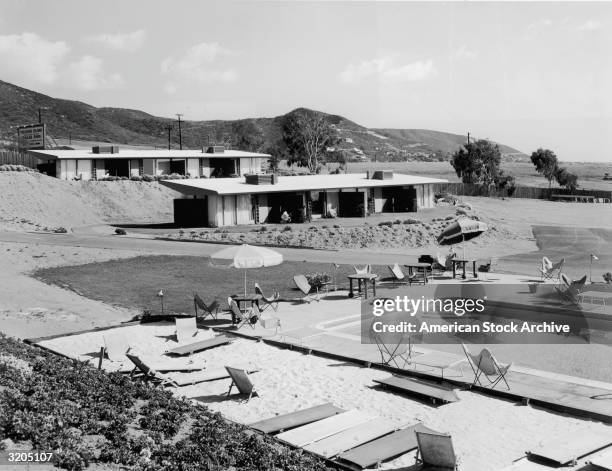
pixel 532 192
pixel 17 158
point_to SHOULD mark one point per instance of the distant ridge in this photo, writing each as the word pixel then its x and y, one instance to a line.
pixel 79 121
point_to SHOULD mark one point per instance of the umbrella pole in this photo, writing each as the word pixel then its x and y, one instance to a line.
pixel 463 244
pixel 245 283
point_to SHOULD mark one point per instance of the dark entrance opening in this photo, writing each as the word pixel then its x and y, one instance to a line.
pixel 221 168
pixel 350 204
pixel 48 168
pixel 117 167
pixel 191 212
pixel 293 203
pixel 399 200
pixel 177 166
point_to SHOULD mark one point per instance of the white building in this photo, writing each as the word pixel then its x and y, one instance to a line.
pixel 263 198
pixel 101 162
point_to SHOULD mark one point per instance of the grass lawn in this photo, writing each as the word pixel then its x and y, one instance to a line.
pixel 134 282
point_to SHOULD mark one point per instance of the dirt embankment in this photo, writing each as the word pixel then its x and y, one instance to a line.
pixel 31 201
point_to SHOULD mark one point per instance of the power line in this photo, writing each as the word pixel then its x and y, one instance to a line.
pixel 180 133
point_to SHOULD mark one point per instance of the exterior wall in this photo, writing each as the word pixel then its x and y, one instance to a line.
pixel 134 168
pixel 213 213
pixel 68 169
pixel 204 167
pixel 84 169
pixel 379 201
pixel 193 167
pixel 243 210
pixel 428 198
pixel 162 167
pixel 148 166
pixel 229 210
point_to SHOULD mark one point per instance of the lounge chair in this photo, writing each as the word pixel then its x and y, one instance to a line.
pixel 211 310
pixel 248 317
pixel 149 373
pixel 200 345
pixel 271 301
pixel 295 419
pixel 485 364
pixel 550 270
pixel 240 379
pixel 366 270
pixel 413 386
pixel 186 329
pixel 569 290
pixel 302 284
pixel 567 449
pixel 435 450
pixel 399 276
pixel 115 347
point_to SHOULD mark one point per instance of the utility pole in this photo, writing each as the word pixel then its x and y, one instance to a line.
pixel 468 137
pixel 169 129
pixel 180 134
pixel 40 110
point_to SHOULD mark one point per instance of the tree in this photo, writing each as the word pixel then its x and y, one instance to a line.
pixel 546 163
pixel 566 179
pixel 307 135
pixel 478 162
pixel 247 136
pixel 278 153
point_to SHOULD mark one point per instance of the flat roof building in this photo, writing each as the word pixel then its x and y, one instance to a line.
pixel 102 162
pixel 256 199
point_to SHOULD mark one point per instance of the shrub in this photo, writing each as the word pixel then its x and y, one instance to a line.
pixel 287 229
pixel 16 168
pixel 385 223
pixel 120 231
pixel 318 280
pixel 60 230
pixel 607 277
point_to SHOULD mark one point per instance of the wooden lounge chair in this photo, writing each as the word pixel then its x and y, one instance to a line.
pixel 306 434
pixel 248 317
pixel 271 301
pixel 568 449
pixel 569 290
pixel 433 391
pixel 551 270
pixel 524 464
pixel 211 310
pixel 384 448
pixel 435 450
pixel 485 364
pixel 149 373
pixel 115 347
pixel 186 329
pixel 302 284
pixel 352 437
pixel 398 275
pixel 295 419
pixel 602 461
pixel 240 379
pixel 191 348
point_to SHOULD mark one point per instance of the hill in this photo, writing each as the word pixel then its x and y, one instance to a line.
pixel 69 120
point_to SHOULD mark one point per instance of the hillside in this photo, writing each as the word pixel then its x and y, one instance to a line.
pixel 74 120
pixel 32 201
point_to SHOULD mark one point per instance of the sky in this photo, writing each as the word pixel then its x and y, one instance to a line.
pixel 524 74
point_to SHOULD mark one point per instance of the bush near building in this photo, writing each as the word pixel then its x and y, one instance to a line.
pixel 86 416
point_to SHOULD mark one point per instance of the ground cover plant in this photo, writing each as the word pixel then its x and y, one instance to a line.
pixel 86 416
pixel 134 282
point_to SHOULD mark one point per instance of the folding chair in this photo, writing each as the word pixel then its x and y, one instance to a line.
pixel 302 284
pixel 569 291
pixel 149 373
pixel 548 269
pixel 211 310
pixel 240 379
pixel 115 347
pixel 399 276
pixel 485 364
pixel 269 301
pixel 366 270
pixel 186 329
pixel 435 450
pixel 248 317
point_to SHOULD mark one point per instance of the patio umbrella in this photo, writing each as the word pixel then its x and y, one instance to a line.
pixel 461 230
pixel 247 256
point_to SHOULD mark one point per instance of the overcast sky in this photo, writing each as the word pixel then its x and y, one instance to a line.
pixel 525 74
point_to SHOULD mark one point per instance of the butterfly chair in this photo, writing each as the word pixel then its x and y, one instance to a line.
pixel 302 284
pixel 398 275
pixel 550 270
pixel 485 365
pixel 569 290
pixel 271 301
pixel 393 354
pixel 366 270
pixel 248 317
pixel 211 310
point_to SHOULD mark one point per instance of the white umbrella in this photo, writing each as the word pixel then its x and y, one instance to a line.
pixel 247 256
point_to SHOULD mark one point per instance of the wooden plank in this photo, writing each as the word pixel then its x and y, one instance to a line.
pixel 569 448
pixel 321 429
pixel 201 345
pixel 602 460
pixel 418 387
pixel 352 437
pixel 384 448
pixel 202 376
pixel 297 418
